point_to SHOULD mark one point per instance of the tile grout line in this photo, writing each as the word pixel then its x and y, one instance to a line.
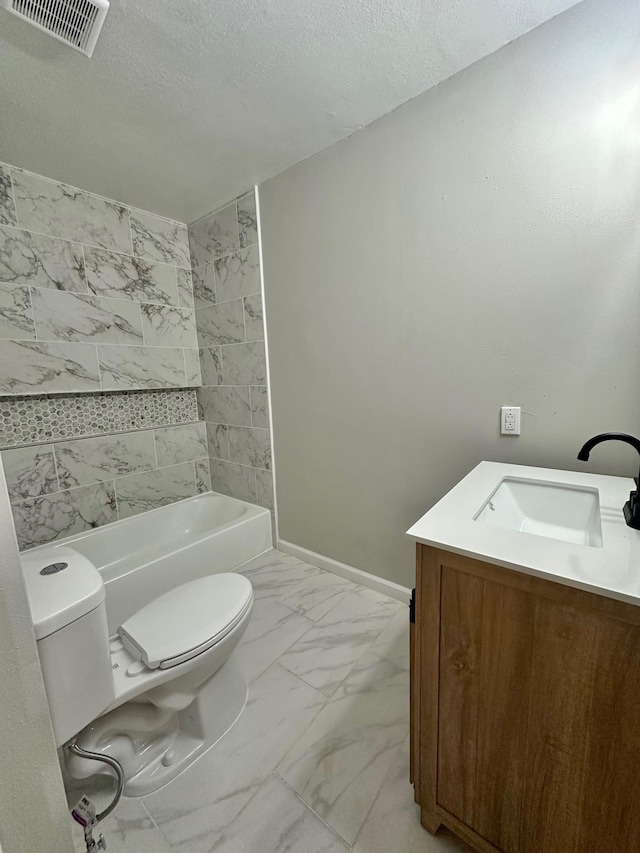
pixel 55 467
pixel 141 800
pixel 392 765
pixel 333 831
pixel 259 787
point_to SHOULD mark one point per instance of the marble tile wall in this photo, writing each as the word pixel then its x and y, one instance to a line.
pixel 65 487
pixel 93 295
pixel 233 399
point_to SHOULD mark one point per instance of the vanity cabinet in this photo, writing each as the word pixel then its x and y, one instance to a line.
pixel 525 710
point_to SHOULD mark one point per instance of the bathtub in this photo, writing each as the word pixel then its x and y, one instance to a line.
pixel 142 557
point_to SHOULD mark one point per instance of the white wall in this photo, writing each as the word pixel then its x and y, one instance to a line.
pixel 478 247
pixel 33 808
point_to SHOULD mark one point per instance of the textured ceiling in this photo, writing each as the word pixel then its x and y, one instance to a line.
pixel 186 104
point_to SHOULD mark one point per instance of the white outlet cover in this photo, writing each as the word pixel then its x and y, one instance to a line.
pixel 510 420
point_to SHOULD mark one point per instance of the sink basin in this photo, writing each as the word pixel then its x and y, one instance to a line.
pixel 554 510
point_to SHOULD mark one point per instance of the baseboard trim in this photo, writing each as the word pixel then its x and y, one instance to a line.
pixel 394 590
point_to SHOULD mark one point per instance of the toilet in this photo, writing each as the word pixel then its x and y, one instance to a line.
pixel 156 693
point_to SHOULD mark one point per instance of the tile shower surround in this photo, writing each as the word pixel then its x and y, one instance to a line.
pixel 98 297
pixel 233 399
pixel 66 487
pixel 102 436
pixel 94 295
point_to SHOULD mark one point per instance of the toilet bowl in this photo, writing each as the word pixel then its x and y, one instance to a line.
pixel 158 692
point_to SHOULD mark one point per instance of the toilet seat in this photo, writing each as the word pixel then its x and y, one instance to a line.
pixel 186 621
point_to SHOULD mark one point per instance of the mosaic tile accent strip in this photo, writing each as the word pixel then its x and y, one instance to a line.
pixel 38 419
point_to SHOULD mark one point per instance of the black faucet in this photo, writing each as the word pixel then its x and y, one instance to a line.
pixel 631 509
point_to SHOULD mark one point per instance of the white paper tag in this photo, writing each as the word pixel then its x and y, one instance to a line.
pixel 85 813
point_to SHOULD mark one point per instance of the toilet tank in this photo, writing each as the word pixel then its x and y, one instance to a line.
pixel 67 600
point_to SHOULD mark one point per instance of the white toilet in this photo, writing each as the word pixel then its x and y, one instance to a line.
pixel 157 693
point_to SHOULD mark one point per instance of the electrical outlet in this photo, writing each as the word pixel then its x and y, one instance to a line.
pixel 510 420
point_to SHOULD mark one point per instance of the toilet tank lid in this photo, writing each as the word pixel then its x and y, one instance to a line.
pixel 60 596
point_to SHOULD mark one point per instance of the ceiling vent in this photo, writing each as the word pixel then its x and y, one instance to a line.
pixel 75 22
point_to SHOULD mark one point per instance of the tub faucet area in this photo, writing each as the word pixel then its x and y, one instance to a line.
pixel 631 509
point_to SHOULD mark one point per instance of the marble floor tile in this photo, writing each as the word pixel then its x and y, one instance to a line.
pixel 128 830
pixel 324 656
pixel 382 600
pixel 394 820
pixel 275 820
pixel 274 574
pixel 393 643
pixel 314 597
pixel 272 630
pixel 339 764
pixel 195 809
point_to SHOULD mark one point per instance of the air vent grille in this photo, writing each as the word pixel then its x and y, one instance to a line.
pixel 75 22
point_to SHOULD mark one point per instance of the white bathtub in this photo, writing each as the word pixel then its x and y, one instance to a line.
pixel 142 557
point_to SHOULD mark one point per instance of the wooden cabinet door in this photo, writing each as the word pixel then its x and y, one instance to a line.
pixel 537 710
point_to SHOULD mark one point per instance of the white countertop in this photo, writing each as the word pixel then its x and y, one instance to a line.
pixel 613 570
